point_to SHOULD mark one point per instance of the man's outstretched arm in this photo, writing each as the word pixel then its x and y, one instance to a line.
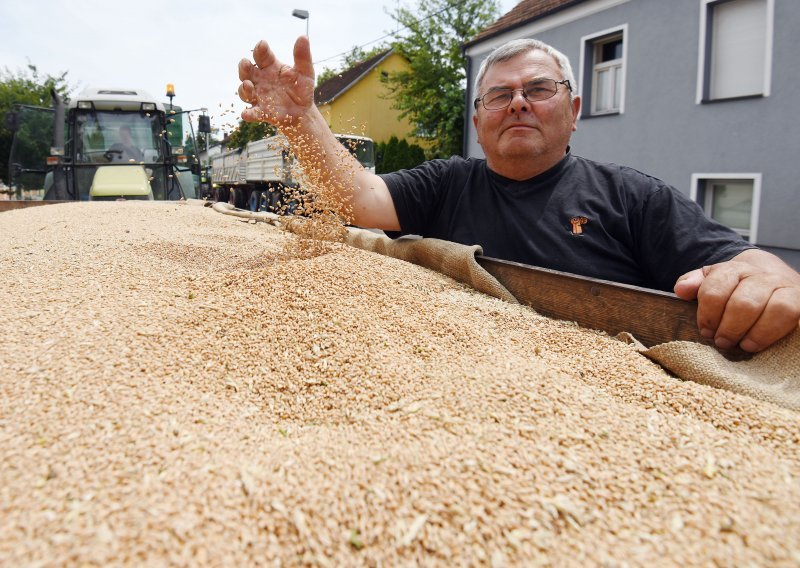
pixel 283 95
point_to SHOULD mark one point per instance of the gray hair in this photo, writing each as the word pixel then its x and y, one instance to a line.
pixel 518 47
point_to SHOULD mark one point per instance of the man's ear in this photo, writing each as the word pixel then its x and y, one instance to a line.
pixel 576 112
pixel 475 123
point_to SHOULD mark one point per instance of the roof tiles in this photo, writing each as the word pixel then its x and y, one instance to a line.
pixel 522 13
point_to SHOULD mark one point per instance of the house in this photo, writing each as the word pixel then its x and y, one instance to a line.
pixel 357 102
pixel 698 93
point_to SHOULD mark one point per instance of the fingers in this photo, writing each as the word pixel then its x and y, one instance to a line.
pixel 245 68
pixel 742 310
pixel 713 294
pixel 247 91
pixel 277 93
pixel 779 318
pixel 302 57
pixel 687 285
pixel 741 305
pixel 263 55
pixel 264 58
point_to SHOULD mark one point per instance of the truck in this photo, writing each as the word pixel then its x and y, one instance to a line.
pixel 107 144
pixel 264 175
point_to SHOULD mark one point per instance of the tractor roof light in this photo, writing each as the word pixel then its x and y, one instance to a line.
pixel 148 107
pixel 85 105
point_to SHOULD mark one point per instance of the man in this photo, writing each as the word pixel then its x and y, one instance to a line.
pixel 532 201
pixel 125 150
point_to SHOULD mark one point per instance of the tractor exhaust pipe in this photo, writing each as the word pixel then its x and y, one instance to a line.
pixel 58 129
pixel 57 151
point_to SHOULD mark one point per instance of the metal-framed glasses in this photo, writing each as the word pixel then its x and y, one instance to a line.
pixel 538 90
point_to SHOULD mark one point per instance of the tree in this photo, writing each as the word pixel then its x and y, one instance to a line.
pixel 29 88
pixel 249 131
pixel 431 93
pixel 397 155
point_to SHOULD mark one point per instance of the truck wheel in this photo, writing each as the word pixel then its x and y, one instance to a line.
pixel 255 201
pixel 274 197
pixel 239 198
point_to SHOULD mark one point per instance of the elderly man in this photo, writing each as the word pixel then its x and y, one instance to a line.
pixel 532 201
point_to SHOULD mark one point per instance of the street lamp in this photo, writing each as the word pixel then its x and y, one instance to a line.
pixel 303 15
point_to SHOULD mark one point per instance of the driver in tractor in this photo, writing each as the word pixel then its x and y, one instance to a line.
pixel 125 150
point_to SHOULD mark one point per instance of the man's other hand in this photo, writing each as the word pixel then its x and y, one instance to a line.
pixel 752 300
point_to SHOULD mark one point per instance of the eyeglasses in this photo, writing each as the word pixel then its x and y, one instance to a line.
pixel 538 90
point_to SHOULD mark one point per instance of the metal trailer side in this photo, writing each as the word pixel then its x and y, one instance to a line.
pixel 264 174
pixel 255 176
pixel 268 162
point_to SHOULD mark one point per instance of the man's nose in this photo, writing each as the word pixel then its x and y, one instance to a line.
pixel 518 101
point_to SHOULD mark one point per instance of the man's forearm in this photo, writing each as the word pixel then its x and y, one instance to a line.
pixel 362 196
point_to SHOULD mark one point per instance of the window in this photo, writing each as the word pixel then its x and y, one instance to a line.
pixel 607 76
pixel 603 67
pixel 731 199
pixel 735 49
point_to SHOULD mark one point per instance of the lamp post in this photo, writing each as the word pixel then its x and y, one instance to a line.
pixel 303 15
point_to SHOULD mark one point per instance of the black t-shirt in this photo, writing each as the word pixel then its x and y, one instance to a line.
pixel 600 220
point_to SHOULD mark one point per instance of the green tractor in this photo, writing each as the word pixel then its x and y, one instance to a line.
pixel 107 144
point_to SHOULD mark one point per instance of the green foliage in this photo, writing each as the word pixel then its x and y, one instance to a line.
pixel 397 155
pixel 431 94
pixel 28 88
pixel 326 75
pixel 249 131
pixel 34 138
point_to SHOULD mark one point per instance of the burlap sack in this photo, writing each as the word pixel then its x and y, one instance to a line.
pixel 773 375
pixel 452 259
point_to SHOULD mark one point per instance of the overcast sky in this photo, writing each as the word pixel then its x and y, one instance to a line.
pixel 196 45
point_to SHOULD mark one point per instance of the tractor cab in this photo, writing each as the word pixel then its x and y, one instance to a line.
pixel 108 144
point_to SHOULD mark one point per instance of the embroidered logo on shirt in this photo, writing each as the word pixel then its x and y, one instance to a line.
pixel 577 224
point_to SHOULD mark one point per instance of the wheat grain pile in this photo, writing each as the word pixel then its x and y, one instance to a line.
pixel 179 387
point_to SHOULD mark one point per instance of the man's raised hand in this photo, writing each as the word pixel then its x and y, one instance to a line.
pixel 279 94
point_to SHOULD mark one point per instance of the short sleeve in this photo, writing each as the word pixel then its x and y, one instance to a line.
pixel 675 236
pixel 417 194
